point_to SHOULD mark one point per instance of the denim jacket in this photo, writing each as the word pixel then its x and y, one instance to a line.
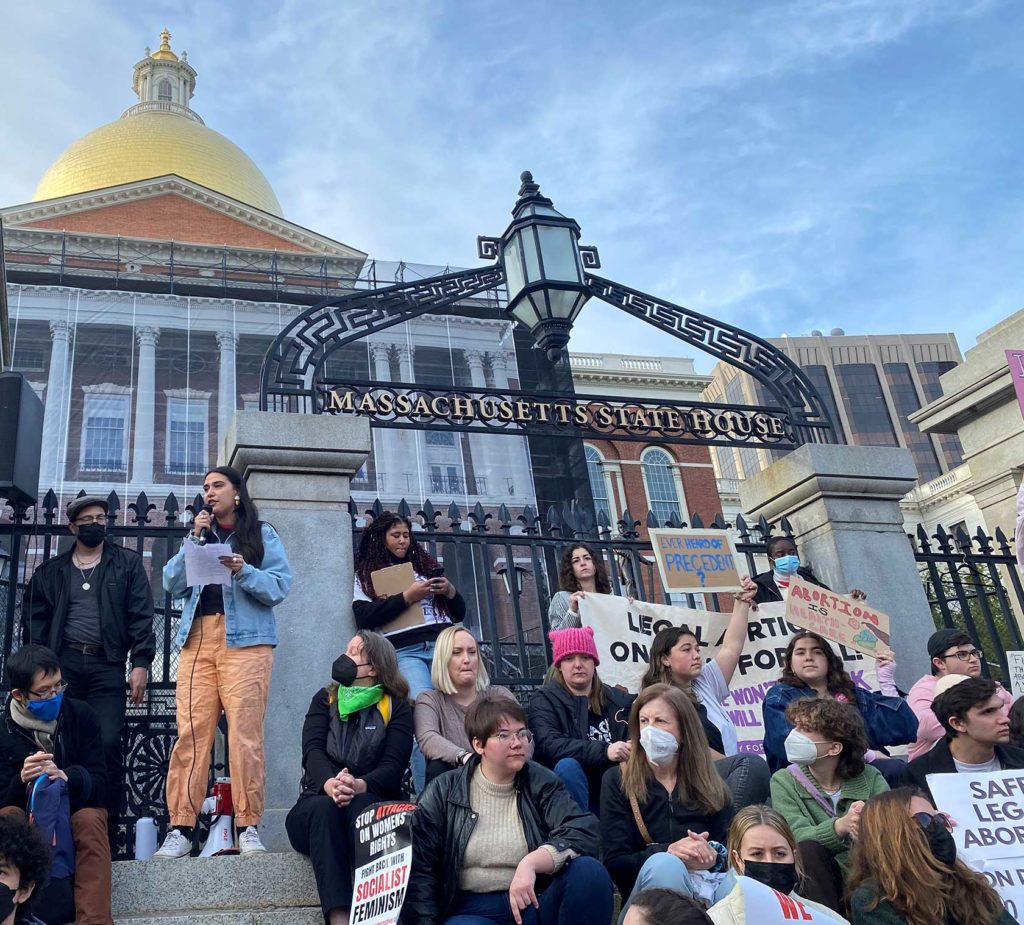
pixel 249 600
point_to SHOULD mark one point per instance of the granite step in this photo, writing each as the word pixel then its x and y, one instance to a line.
pixel 221 891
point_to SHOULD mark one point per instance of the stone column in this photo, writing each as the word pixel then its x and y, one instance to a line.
pixel 385 449
pixel 145 408
pixel 298 469
pixel 487 464
pixel 844 505
pixel 409 444
pixel 227 391
pixel 55 411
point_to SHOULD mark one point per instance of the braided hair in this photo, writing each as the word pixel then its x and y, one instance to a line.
pixel 374 554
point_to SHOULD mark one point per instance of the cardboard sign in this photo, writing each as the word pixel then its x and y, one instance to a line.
pixel 766 906
pixel 383 859
pixel 394 580
pixel 838 617
pixel 1015 660
pixel 989 830
pixel 696 561
pixel 623 633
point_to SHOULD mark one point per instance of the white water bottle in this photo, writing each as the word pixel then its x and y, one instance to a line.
pixel 145 838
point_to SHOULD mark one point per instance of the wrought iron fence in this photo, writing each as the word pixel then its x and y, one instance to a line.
pixel 974 585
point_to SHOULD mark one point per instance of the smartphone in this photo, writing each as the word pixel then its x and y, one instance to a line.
pixel 437 572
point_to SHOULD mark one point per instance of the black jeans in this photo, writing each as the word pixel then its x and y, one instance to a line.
pixel 747 777
pixel 823 877
pixel 323 831
pixel 101 684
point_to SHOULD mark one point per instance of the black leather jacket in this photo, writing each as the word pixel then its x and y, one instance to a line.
pixel 560 724
pixel 444 821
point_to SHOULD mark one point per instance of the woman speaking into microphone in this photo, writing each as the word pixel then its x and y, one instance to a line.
pixel 227 638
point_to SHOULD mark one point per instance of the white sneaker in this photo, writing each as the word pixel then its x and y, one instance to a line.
pixel 175 846
pixel 249 841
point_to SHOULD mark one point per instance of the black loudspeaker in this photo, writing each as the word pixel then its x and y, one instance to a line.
pixel 21 439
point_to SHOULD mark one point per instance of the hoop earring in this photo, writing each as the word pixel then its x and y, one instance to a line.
pixel 237 501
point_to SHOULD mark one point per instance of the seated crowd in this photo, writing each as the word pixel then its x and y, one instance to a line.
pixel 540 816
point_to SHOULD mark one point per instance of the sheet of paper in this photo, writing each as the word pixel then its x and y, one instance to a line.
pixel 203 565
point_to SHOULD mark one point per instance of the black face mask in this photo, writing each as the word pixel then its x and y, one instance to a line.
pixel 344 670
pixel 92 535
pixel 779 876
pixel 7 903
pixel 941 843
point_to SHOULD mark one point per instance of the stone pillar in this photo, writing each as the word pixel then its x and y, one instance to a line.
pixel 844 505
pixel 227 391
pixel 409 454
pixel 145 408
pixel 385 451
pixel 298 469
pixel 55 411
pixel 488 468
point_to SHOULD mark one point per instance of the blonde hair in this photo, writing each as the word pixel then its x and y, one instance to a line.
pixel 698 784
pixel 443 647
pixel 750 817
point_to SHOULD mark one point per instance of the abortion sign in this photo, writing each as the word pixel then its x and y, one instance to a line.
pixel 696 561
pixel 623 632
pixel 989 831
pixel 838 617
pixel 383 858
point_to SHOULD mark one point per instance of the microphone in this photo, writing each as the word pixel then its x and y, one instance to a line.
pixel 206 534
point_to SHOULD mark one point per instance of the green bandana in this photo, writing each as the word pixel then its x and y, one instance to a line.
pixel 353 699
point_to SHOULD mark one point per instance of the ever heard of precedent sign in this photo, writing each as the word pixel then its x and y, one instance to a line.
pixel 696 561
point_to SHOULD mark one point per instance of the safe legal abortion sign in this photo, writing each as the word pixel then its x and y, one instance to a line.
pixel 624 630
pixel 989 813
pixel 696 561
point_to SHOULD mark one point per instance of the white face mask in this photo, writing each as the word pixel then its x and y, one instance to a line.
pixel 660 746
pixel 800 749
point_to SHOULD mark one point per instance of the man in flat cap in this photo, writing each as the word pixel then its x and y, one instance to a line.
pixel 951 652
pixel 93 606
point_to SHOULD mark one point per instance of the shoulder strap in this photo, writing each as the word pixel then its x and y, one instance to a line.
pixel 639 820
pixel 384 706
pixel 801 778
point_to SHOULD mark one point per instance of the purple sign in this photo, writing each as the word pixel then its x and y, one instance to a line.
pixel 1015 359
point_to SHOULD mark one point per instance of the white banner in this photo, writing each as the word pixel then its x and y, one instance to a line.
pixel 989 831
pixel 766 906
pixel 624 632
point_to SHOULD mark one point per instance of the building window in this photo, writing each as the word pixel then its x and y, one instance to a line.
pixel 163 90
pixel 186 436
pixel 904 397
pixel 440 438
pixel 446 479
pixel 865 405
pixel 660 482
pixel 819 379
pixel 929 371
pixel 29 359
pixel 726 462
pixel 599 484
pixel 104 432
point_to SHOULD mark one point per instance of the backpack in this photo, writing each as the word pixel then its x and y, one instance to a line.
pixel 49 810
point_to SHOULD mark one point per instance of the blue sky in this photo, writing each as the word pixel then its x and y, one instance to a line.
pixel 781 165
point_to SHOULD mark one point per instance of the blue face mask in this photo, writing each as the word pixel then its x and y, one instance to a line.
pixel 45 710
pixel 786 565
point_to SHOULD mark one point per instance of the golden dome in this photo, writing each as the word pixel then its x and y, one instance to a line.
pixel 164 53
pixel 151 144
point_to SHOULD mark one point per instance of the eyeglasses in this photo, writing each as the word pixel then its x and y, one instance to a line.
pixel 50 692
pixel 96 519
pixel 505 737
pixel 927 820
pixel 964 655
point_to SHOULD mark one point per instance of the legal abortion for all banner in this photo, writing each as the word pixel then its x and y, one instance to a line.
pixel 623 631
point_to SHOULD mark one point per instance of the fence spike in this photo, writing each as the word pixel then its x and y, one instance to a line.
pixel 376 509
pixel 604 526
pixel 943 539
pixel 530 520
pixel 454 515
pixel 113 506
pixel 404 510
pixel 171 509
pixel 984 542
pixel 963 539
pixel 719 523
pixel 1004 544
pixel 353 509
pixel 742 529
pixel 196 506
pixel 479 518
pixel 696 521
pixel 141 507
pixel 50 505
pixel 764 528
pixel 787 527
pixel 922 538
pixel 504 518
pixel 429 515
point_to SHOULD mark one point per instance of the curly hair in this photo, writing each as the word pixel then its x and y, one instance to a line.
pixel 374 554
pixel 839 682
pixel 838 722
pixel 567 578
pixel 892 861
pixel 21 846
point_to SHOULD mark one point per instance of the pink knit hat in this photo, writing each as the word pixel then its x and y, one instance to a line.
pixel 573 641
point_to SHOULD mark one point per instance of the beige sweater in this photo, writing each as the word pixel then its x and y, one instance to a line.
pixel 498 842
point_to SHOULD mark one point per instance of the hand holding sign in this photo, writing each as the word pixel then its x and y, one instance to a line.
pixel 839 617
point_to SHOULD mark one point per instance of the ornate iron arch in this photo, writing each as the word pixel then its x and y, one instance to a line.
pixel 294 365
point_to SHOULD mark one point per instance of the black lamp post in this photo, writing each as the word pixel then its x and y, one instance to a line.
pixel 544 266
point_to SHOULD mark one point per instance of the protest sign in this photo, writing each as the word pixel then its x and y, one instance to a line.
pixel 1015 660
pixel 766 906
pixel 383 858
pixel 623 633
pixel 838 617
pixel 696 561
pixel 989 831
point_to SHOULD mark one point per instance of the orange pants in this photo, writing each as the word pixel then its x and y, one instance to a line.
pixel 212 678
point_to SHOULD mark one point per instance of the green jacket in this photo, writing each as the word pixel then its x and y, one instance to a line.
pixel 808 819
pixel 885 913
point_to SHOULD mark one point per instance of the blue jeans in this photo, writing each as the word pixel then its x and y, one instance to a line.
pixel 660 871
pixel 414 662
pixel 582 892
pixel 570 772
